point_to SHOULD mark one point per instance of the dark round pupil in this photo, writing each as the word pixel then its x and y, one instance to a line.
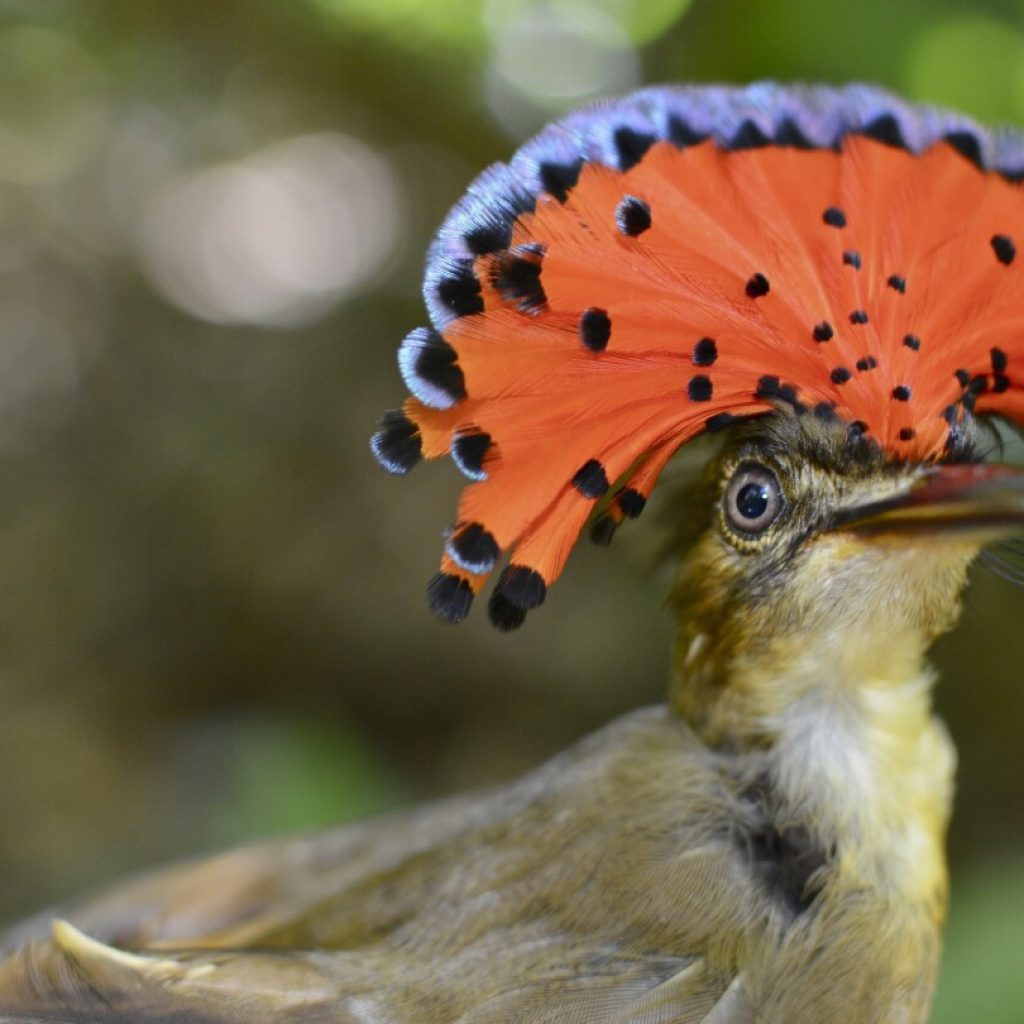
pixel 752 501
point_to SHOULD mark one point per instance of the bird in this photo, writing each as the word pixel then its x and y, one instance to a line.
pixel 822 281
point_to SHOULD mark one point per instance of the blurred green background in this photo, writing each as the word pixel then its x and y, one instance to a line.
pixel 212 222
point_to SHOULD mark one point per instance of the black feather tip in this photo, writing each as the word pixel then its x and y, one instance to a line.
pixel 430 369
pixel 396 446
pixel 450 597
pixel 504 615
pixel 472 547
pixel 469 449
pixel 603 530
pixel 522 587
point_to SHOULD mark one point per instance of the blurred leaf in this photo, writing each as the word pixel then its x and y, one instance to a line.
pixel 644 20
pixel 411 23
pixel 973 62
pixel 266 776
pixel 49 122
pixel 981 977
pixel 804 40
pixel 463 22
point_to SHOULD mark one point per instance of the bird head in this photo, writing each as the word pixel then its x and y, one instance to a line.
pixel 813 554
pixel 827 278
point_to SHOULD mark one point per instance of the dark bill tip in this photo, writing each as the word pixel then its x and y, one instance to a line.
pixel 983 499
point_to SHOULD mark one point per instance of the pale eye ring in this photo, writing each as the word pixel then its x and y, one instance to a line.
pixel 753 499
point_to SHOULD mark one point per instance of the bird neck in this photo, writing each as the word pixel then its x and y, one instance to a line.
pixel 842 736
pixel 737 690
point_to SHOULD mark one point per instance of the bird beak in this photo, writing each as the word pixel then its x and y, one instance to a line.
pixel 980 500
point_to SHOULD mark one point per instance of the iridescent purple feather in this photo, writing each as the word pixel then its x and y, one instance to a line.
pixel 612 132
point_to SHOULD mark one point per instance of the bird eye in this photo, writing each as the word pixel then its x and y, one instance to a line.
pixel 753 499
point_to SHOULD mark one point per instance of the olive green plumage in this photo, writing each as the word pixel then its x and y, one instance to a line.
pixel 767 847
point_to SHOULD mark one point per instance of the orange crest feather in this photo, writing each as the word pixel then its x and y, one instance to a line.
pixel 643 305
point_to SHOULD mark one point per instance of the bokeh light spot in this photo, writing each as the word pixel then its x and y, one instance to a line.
pixel 276 239
pixel 546 58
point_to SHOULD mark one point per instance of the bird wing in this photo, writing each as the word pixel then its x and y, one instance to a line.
pixel 605 887
pixel 74 979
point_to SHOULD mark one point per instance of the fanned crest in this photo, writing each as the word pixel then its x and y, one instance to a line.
pixel 660 265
